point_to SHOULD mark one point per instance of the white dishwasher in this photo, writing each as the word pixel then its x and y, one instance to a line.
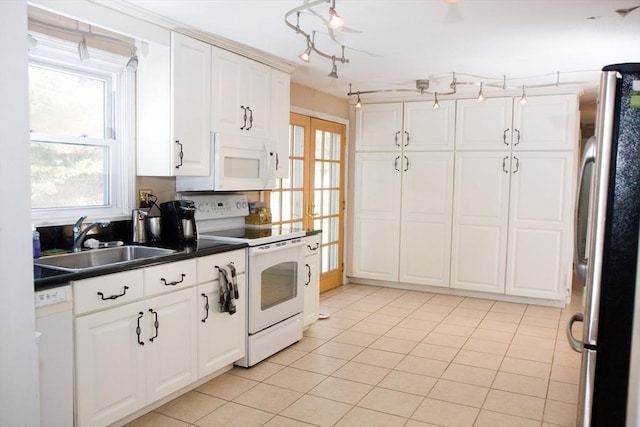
pixel 54 335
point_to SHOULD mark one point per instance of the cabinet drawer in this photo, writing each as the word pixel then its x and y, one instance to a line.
pixel 207 265
pixel 169 277
pixel 312 245
pixel 105 291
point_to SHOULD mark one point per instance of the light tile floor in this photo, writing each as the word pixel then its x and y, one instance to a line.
pixel 389 357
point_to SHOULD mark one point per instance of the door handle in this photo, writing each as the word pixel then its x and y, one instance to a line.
pixel 115 296
pixel 396 138
pixel 206 307
pixel 250 118
pixel 138 329
pixel 580 222
pixel 406 168
pixel 308 275
pixel 504 136
pixel 573 342
pixel 504 164
pixel 156 324
pixel 180 154
pixel 517 136
pixel 396 164
pixel 406 143
pixel 244 125
pixel 517 164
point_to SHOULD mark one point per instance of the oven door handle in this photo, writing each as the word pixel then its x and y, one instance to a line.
pixel 274 247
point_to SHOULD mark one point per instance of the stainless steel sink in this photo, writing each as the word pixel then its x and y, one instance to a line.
pixel 99 258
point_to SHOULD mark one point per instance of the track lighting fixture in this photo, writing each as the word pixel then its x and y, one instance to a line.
pixel 523 98
pixel 83 51
pixel 480 94
pixel 334 69
pixel 455 86
pixel 358 102
pixel 335 20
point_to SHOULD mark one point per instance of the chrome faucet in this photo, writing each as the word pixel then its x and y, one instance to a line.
pixel 79 234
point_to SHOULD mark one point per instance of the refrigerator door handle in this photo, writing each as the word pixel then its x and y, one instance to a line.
pixel 573 342
pixel 581 226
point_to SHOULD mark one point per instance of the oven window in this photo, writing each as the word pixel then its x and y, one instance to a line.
pixel 279 284
pixel 241 167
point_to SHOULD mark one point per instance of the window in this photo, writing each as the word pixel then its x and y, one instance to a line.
pixel 80 160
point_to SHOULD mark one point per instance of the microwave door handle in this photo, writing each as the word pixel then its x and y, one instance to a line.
pixel 581 227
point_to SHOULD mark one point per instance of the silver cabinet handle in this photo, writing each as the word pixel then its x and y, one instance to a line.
pixel 504 164
pixel 517 164
pixel 396 138
pixel 395 162
pixel 504 136
pixel 406 159
pixel 406 143
pixel 517 137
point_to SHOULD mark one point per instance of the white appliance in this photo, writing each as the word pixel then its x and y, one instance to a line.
pixel 606 258
pixel 238 163
pixel 54 326
pixel 275 272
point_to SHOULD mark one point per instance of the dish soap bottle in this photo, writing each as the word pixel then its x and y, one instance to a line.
pixel 36 241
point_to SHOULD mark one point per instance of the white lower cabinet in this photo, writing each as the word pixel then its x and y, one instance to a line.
pixel 312 279
pixel 402 217
pixel 134 346
pixel 510 223
pixel 132 355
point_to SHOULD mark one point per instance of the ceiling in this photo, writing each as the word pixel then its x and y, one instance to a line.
pixel 391 43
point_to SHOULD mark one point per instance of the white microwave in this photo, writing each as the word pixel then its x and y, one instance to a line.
pixel 238 163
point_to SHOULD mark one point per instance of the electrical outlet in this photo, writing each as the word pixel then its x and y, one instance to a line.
pixel 143 198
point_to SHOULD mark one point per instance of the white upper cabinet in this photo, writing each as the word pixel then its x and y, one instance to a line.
pixel 426 128
pixel 546 123
pixel 280 106
pixel 542 123
pixel 483 125
pixel 173 108
pixel 379 127
pixel 240 101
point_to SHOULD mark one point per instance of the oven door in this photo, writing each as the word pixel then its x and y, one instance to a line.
pixel 276 283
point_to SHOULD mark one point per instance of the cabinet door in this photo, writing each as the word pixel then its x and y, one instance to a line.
pixel 379 127
pixel 110 368
pixel 222 336
pixel 480 209
pixel 191 91
pixel 546 123
pixel 312 280
pixel 171 343
pixel 376 216
pixel 539 259
pixel 280 105
pixel 483 125
pixel 427 128
pixel 256 82
pixel 425 226
pixel 226 92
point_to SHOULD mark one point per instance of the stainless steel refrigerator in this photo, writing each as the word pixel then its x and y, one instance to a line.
pixel 606 256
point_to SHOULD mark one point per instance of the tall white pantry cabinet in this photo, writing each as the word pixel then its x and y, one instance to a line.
pixel 475 196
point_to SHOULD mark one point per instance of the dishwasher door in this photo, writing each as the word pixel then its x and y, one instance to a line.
pixel 54 334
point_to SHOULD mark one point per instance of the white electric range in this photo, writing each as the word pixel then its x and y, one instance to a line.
pixel 275 272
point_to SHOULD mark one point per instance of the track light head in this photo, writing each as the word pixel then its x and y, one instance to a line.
pixel 335 20
pixel 358 102
pixel 480 94
pixel 334 69
pixel 523 98
pixel 436 104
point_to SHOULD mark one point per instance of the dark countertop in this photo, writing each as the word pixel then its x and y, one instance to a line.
pixel 45 278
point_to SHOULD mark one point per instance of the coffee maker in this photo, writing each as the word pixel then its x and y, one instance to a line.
pixel 178 222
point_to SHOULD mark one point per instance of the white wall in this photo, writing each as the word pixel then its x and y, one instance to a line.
pixel 18 352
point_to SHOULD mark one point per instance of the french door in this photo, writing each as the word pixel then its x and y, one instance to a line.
pixel 313 195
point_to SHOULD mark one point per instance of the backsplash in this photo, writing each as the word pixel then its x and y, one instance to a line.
pixel 61 236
